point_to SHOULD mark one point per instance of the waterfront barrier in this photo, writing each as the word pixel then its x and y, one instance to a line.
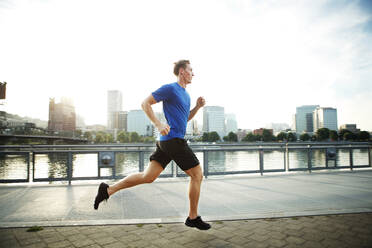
pixel 326 154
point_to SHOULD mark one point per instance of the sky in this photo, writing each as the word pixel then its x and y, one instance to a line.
pixel 257 59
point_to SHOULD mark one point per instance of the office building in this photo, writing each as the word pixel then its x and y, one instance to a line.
pixel 260 131
pixel 241 133
pixel 214 120
pixel 192 128
pixel 304 118
pixel 160 116
pixel 62 115
pixel 114 106
pixel 351 127
pixel 231 123
pixel 278 127
pixel 139 123
pixel 80 123
pixel 325 118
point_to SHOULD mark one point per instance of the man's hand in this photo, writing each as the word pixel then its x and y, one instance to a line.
pixel 163 128
pixel 200 102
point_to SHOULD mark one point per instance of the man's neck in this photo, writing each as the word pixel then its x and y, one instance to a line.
pixel 182 83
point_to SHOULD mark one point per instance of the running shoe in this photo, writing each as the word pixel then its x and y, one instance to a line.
pixel 101 195
pixel 198 223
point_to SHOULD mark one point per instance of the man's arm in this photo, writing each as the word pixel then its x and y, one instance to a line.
pixel 199 104
pixel 146 106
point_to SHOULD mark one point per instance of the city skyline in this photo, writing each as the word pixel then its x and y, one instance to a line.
pixel 271 57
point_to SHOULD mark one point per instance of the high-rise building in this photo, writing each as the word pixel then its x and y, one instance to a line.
pixel 114 105
pixel 214 120
pixel 231 123
pixel 122 120
pixel 304 118
pixel 277 127
pixel 192 128
pixel 80 123
pixel 325 118
pixel 351 127
pixel 62 115
pixel 160 116
pixel 138 122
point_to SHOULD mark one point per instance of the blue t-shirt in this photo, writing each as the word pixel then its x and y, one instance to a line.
pixel 176 107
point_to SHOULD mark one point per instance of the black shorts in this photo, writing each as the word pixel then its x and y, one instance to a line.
pixel 175 149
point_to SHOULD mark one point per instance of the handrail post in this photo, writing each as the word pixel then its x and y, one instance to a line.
pixel 33 166
pixel 69 167
pixel 261 161
pixel 309 153
pixel 369 156
pixel 141 164
pixel 114 167
pixel 29 155
pixel 286 158
pixel 351 158
pixel 205 163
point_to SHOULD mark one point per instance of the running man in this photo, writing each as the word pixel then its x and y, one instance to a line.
pixel 172 145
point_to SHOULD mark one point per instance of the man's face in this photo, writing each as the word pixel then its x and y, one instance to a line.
pixel 187 74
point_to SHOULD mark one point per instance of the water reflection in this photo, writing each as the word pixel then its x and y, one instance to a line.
pixel 360 157
pixel 297 159
pixel 318 158
pixel 13 166
pixel 273 160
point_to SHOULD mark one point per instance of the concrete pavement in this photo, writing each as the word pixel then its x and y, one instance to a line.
pixel 348 230
pixel 166 201
pixel 321 209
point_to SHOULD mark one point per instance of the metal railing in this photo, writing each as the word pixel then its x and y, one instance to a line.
pixel 107 154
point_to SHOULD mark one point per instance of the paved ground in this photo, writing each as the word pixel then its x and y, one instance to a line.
pixel 321 209
pixel 166 201
pixel 348 230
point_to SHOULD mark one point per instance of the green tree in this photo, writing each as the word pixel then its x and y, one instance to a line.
pixel 342 132
pixel 88 136
pixel 78 133
pixel 231 137
pixel 205 137
pixel 100 137
pixel 292 136
pixel 349 136
pixel 267 135
pixel 123 137
pixel 282 136
pixel 305 137
pixel 322 134
pixel 149 139
pixel 333 135
pixel 364 136
pixel 109 138
pixel 250 137
pixel 213 137
pixel 134 137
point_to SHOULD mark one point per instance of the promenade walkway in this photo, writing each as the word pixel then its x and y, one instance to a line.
pixel 321 209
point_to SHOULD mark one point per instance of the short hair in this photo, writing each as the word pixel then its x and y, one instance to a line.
pixel 180 64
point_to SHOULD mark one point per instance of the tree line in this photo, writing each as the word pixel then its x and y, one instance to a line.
pixel 322 134
pixel 122 137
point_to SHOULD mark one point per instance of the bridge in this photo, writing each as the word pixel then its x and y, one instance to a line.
pixel 4 138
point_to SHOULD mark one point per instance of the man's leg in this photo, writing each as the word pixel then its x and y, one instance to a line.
pixel 194 220
pixel 148 176
pixel 196 176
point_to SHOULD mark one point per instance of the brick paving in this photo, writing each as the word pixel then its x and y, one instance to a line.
pixel 343 230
